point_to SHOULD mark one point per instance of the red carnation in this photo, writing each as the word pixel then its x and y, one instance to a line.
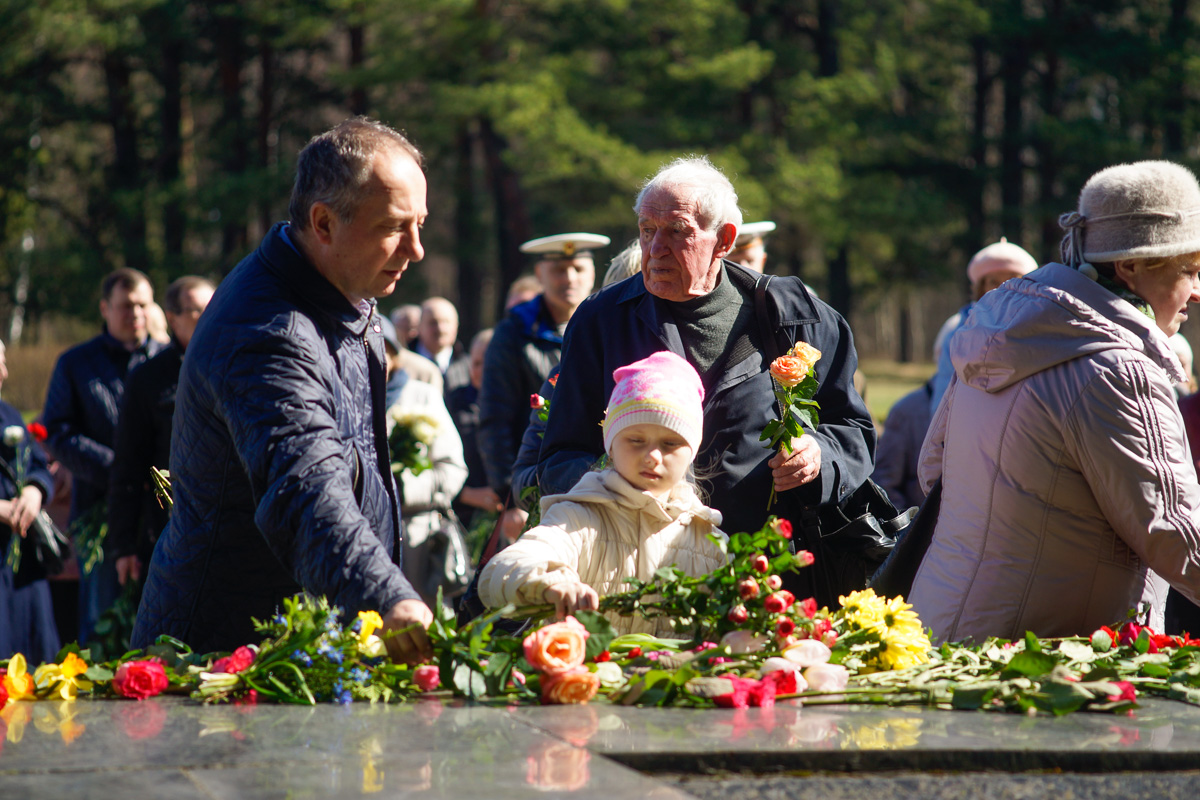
pixel 38 431
pixel 140 679
pixel 241 658
pixel 602 656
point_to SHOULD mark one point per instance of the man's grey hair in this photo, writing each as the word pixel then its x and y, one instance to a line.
pixel 715 198
pixel 334 166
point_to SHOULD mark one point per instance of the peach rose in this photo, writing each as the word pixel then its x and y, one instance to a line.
pixel 788 370
pixel 574 686
pixel 557 648
pixel 808 355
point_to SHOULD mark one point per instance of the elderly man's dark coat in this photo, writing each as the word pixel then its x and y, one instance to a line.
pixel 625 323
pixel 279 460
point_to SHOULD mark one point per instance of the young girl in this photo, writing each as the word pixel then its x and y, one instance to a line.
pixel 625 521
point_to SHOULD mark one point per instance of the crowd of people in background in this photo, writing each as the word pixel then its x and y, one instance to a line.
pixel 1055 428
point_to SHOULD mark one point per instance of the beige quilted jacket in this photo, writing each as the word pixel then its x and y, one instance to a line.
pixel 603 531
pixel 1067 479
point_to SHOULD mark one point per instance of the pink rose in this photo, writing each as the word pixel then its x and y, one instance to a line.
pixel 783 528
pixel 738 615
pixel 747 588
pixel 557 648
pixel 536 401
pixel 1127 692
pixel 573 686
pixel 140 679
pixel 774 583
pixel 427 677
pixel 232 664
pixel 804 558
pixel 826 677
pixel 760 563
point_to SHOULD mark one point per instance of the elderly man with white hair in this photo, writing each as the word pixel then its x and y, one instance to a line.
pixel 726 321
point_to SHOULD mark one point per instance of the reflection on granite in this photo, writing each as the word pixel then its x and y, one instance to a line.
pixel 424 749
pixel 1162 734
pixel 174 748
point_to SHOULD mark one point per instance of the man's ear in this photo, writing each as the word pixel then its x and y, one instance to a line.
pixel 726 236
pixel 321 221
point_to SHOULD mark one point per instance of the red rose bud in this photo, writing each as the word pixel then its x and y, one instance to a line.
pixel 536 401
pixel 760 563
pixel 774 583
pixel 603 655
pixel 788 597
pixel 784 626
pixel 783 528
pixel 804 558
pixel 808 607
pixel 634 652
pixel 427 677
pixel 738 615
pixel 748 588
pixel 38 431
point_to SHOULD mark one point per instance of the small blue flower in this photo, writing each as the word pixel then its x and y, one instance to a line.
pixel 302 658
pixel 359 675
pixel 279 619
pixel 341 694
pixel 356 626
pixel 332 654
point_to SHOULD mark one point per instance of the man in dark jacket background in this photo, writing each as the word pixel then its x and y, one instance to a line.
pixel 143 436
pixel 691 301
pixel 279 461
pixel 80 416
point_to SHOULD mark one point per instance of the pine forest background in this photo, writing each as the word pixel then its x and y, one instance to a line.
pixel 889 139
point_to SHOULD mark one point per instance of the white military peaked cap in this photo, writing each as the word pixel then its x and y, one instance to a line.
pixel 750 231
pixel 565 245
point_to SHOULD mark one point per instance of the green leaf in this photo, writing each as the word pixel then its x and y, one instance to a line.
pixel 1032 643
pixel 600 631
pixel 469 682
pixel 98 673
pixel 968 699
pixel 1031 665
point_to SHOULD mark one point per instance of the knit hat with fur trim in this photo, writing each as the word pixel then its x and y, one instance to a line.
pixel 1000 255
pixel 1148 209
pixel 663 389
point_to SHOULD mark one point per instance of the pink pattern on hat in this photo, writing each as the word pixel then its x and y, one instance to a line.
pixel 662 389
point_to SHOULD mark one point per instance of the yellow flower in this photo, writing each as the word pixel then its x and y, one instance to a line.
pixel 901 649
pixel 807 354
pixel 63 679
pixel 16 716
pixel 17 681
pixel 863 609
pixel 371 622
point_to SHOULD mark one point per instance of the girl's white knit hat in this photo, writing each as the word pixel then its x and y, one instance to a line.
pixel 662 389
pixel 1148 209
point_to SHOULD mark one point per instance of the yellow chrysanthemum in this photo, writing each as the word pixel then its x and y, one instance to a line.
pixel 901 649
pixel 17 681
pixel 371 622
pixel 863 609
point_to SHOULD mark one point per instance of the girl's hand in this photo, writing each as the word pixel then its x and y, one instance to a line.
pixel 571 597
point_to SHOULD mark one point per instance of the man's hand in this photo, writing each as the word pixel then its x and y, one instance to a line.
pixel 570 597
pixel 801 466
pixel 24 509
pixel 484 497
pixel 412 646
pixel 128 568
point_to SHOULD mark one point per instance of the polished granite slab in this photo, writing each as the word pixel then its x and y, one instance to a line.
pixel 174 748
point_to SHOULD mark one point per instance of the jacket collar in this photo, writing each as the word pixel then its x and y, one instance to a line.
pixel 535 320
pixel 287 264
pixel 116 346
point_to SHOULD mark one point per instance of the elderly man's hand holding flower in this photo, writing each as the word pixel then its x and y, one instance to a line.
pixel 797 460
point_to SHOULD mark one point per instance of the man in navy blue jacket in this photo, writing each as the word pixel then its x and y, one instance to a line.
pixel 279 456
pixel 81 416
pixel 691 301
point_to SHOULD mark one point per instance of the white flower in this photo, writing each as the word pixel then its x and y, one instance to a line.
pixel 14 435
pixel 807 652
pixel 372 647
pixel 826 677
pixel 610 674
pixel 744 642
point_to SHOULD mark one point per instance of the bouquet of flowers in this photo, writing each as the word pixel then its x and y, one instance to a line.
pixel 795 384
pixel 13 437
pixel 412 435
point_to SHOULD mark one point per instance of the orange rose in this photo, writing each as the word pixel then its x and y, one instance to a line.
pixel 558 767
pixel 807 354
pixel 557 648
pixel 575 686
pixel 788 370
